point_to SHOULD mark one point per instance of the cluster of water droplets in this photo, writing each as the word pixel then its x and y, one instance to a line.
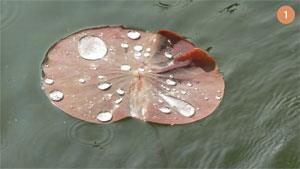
pixel 93 48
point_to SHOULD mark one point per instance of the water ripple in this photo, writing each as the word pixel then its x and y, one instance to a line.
pixel 10 11
pixel 91 134
pixel 166 4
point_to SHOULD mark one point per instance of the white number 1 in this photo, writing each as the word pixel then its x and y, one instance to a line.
pixel 285 14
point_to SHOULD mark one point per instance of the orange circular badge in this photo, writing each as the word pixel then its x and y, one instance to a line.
pixel 286 14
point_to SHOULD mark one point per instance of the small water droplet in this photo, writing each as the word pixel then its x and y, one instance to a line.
pixel 104 85
pixel 138 48
pixel 81 80
pixel 148 49
pixel 134 35
pixel 146 54
pixel 118 101
pixel 100 77
pixel 49 81
pixel 181 106
pixel 141 69
pixel 120 92
pixel 93 66
pixel 171 76
pixel 107 97
pixel 218 97
pixel 168 55
pixel 205 98
pixel 189 84
pixel 160 101
pixel 165 110
pixel 124 45
pixel 137 54
pixel 125 67
pixel 183 92
pixel 56 95
pixel 92 48
pixel 104 116
pixel 171 82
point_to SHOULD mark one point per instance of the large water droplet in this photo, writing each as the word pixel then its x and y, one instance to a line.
pixel 92 48
pixel 133 35
pixel 171 82
pixel 165 110
pixel 138 48
pixel 56 95
pixel 125 67
pixel 181 106
pixel 49 81
pixel 104 116
pixel 104 85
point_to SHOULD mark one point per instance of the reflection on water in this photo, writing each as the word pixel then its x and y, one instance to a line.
pixel 256 126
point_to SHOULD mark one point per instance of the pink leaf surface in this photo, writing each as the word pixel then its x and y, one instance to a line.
pixel 106 74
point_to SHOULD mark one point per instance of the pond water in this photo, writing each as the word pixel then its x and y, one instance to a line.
pixel 256 125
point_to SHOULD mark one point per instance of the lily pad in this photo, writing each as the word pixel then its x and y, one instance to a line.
pixel 105 74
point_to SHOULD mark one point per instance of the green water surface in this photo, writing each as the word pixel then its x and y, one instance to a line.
pixel 256 125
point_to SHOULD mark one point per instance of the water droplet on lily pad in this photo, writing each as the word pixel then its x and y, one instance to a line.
pixel 181 106
pixel 138 48
pixel 104 85
pixel 56 95
pixel 92 48
pixel 168 55
pixel 104 116
pixel 171 82
pixel 124 45
pixel 134 35
pixel 49 81
pixel 120 91
pixel 125 67
pixel 165 110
